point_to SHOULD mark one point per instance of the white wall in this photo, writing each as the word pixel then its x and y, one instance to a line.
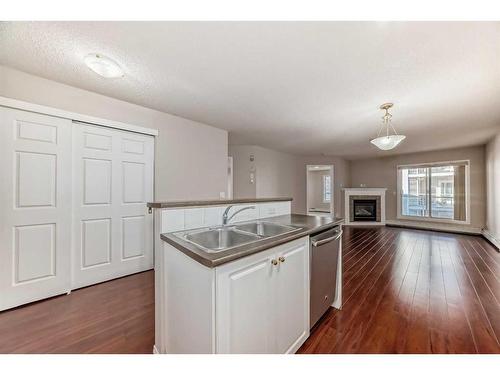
pixel 315 190
pixel 382 172
pixel 341 179
pixel 242 187
pixel 279 174
pixel 493 187
pixel 274 172
pixel 191 157
pixel 374 172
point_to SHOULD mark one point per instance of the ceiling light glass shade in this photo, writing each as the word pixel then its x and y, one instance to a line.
pixel 388 142
pixel 103 66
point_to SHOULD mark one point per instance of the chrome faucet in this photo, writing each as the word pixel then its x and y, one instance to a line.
pixel 226 219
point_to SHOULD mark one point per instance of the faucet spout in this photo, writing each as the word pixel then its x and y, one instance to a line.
pixel 226 219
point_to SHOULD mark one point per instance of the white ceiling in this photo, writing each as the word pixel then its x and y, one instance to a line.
pixel 302 87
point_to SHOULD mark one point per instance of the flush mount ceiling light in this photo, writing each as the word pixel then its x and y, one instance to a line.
pixel 387 141
pixel 103 66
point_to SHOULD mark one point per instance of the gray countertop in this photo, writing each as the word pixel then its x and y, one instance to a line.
pixel 214 202
pixel 308 224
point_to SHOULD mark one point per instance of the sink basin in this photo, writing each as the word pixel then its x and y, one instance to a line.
pixel 224 238
pixel 265 229
pixel 219 239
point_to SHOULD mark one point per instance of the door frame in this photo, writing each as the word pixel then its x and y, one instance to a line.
pixel 331 167
pixel 28 107
pixel 230 178
pixel 91 120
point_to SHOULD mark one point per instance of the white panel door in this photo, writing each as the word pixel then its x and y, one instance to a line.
pixel 292 296
pixel 245 305
pixel 113 180
pixel 35 205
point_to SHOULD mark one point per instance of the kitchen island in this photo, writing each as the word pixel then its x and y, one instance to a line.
pixel 249 298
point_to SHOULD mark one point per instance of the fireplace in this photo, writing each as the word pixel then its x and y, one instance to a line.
pixel 364 209
pixel 370 206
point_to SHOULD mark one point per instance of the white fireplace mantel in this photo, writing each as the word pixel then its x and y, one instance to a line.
pixel 380 192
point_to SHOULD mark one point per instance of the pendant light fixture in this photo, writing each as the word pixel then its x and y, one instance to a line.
pixel 387 141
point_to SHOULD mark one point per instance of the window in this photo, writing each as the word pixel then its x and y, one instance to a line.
pixel 327 188
pixel 447 188
pixel 436 191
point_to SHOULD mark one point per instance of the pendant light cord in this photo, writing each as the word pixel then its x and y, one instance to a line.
pixel 386 121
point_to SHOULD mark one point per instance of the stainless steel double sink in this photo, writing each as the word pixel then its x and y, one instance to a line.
pixel 226 237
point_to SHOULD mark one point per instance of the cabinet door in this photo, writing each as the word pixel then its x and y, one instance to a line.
pixel 292 296
pixel 113 180
pixel 35 201
pixel 245 306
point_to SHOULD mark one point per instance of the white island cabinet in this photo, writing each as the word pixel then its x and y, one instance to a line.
pixel 262 301
pixel 255 304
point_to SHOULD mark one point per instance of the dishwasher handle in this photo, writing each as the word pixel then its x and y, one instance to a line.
pixel 326 240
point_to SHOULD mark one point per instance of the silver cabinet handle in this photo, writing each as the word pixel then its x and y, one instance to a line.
pixel 326 240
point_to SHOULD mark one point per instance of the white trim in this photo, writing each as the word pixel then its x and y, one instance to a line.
pixel 432 220
pixel 434 226
pixel 322 167
pixel 437 164
pixel 399 216
pixel 380 192
pixel 374 190
pixel 364 223
pixel 19 104
pixel 230 177
pixel 318 167
pixel 490 237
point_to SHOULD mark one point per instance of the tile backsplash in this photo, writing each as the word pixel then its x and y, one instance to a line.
pixel 175 219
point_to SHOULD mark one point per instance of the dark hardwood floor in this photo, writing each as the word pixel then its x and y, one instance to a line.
pixel 112 317
pixel 411 291
pixel 405 291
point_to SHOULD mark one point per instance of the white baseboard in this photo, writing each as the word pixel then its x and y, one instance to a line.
pixel 435 226
pixel 490 237
pixel 364 223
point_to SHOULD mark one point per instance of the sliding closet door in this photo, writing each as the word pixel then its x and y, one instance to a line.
pixel 113 180
pixel 35 207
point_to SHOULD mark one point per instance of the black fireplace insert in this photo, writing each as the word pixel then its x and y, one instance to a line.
pixel 365 209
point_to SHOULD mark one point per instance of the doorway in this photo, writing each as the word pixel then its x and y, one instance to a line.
pixel 319 190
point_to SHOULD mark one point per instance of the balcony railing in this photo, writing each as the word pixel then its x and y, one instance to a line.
pixel 416 205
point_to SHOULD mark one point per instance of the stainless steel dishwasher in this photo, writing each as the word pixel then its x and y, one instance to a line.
pixel 324 254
